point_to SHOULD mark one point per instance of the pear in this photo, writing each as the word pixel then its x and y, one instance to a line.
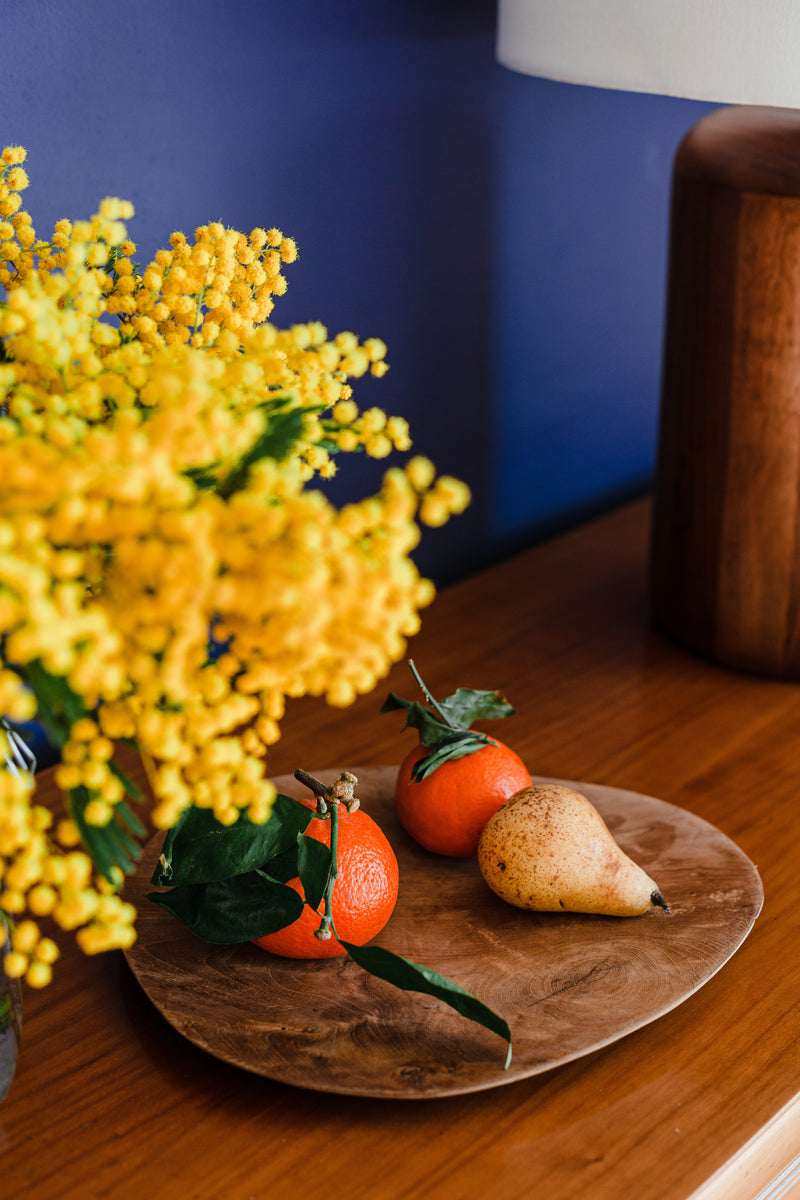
pixel 548 849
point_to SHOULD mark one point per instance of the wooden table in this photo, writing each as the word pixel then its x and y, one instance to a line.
pixel 110 1102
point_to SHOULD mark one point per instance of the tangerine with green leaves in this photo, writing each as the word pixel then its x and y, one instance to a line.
pixel 447 810
pixel 364 894
pixel 450 784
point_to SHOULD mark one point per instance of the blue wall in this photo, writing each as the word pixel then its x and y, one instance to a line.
pixel 506 236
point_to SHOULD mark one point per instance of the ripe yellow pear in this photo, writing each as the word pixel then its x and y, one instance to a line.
pixel 549 849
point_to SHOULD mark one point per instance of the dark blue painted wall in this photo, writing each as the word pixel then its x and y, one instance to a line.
pixel 506 236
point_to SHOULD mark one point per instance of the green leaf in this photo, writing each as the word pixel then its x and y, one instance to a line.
pixel 459 745
pixel 446 732
pixel 232 910
pixel 412 977
pixel 332 448
pixel 443 741
pixel 130 818
pixel 283 431
pixel 203 478
pixel 283 866
pixel 198 849
pixel 461 709
pixel 58 707
pixel 111 845
pixel 466 706
pixel 108 845
pixel 432 731
pixel 131 788
pixel 314 863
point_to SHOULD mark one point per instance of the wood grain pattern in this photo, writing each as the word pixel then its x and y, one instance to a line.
pixel 726 537
pixel 110 1101
pixel 567 984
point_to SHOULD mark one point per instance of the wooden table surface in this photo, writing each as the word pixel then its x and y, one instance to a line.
pixel 110 1102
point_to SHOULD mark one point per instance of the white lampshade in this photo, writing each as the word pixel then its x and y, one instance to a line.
pixel 730 51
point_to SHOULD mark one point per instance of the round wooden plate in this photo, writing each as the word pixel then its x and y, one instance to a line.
pixel 567 984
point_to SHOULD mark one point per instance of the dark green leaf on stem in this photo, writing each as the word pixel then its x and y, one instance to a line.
pixel 466 706
pixel 431 728
pixel 58 707
pixel 283 866
pixel 130 818
pixel 461 710
pixel 131 790
pixel 282 432
pixel 412 977
pixel 458 746
pixel 443 741
pixel 331 447
pixel 283 426
pixel 198 849
pixel 232 910
pixel 314 863
pixel 111 845
pixel 108 845
pixel 203 478
pixel 444 728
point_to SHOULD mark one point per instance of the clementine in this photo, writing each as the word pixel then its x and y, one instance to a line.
pixel 446 810
pixel 364 895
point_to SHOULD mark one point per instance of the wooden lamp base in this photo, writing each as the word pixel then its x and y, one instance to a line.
pixel 725 564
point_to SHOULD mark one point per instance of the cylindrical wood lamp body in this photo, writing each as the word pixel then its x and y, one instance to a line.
pixel 725 565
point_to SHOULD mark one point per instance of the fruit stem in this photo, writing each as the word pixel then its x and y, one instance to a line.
pixel 319 789
pixel 439 711
pixel 657 899
pixel 324 931
pixel 340 792
pixel 328 800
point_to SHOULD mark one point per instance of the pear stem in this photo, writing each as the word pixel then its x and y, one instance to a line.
pixel 657 899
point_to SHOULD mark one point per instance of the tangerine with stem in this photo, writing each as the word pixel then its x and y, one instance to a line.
pixel 447 810
pixel 361 896
pixel 455 779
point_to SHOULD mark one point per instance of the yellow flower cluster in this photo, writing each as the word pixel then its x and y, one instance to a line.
pixel 56 885
pixel 168 574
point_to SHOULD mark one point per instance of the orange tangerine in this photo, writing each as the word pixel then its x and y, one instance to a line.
pixel 364 894
pixel 447 810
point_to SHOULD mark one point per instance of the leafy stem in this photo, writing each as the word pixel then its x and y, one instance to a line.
pixel 430 699
pixel 326 927
pixel 112 847
pixel 283 429
pixel 328 800
pixel 444 728
pixel 229 884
